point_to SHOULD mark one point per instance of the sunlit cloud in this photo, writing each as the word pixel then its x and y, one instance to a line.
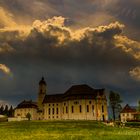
pixel 129 46
pixel 135 73
pixel 51 44
pixel 6 19
pixel 8 24
pixel 5 69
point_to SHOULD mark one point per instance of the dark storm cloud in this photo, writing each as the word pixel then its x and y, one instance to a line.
pixel 127 12
pixel 100 57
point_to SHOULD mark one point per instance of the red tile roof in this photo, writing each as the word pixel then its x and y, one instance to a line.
pixel 128 109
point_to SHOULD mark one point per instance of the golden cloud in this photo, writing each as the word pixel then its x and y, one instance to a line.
pixel 5 69
pixel 135 73
pixel 129 46
pixel 8 24
pixel 6 19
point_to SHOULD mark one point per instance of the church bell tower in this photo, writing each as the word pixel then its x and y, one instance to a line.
pixel 41 93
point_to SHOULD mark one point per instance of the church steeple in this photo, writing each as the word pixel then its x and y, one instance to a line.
pixel 42 86
pixel 41 93
pixel 42 81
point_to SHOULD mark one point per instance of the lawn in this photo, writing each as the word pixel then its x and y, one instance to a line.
pixel 65 130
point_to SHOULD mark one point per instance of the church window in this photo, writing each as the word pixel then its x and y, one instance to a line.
pixel 49 111
pixel 56 110
pixel 102 108
pixel 53 111
pixel 63 110
pixel 72 109
pixel 66 109
pixel 49 105
pixel 92 108
pixel 76 102
pixel 80 108
pixel 57 104
pixel 53 104
pixel 89 102
pixel 64 104
pixel 87 108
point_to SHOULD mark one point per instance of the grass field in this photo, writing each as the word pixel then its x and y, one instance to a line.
pixel 65 130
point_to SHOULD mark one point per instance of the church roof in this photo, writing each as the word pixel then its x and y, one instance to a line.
pixel 53 98
pixel 27 104
pixel 79 89
pixel 75 92
pixel 128 109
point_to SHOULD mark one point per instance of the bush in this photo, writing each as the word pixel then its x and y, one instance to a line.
pixel 132 124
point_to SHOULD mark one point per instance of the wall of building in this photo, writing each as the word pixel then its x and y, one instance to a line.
pixel 77 110
pixel 22 112
pixel 126 116
pixel 53 111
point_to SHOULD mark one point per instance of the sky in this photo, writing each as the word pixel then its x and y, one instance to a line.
pixel 94 42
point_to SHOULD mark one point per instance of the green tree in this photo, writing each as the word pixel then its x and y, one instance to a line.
pixel 1 110
pixel 11 112
pixel 28 115
pixel 5 112
pixel 139 106
pixel 138 116
pixel 115 101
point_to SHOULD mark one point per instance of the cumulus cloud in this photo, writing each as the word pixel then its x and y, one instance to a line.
pixel 5 69
pixel 6 19
pixel 101 55
pixel 135 73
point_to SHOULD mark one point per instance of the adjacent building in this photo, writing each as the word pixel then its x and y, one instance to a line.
pixel 129 113
pixel 79 102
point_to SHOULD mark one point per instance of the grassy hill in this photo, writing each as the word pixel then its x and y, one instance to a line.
pixel 65 130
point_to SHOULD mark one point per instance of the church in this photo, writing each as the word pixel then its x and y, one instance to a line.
pixel 79 102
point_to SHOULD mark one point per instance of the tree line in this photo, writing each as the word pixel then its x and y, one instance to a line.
pixel 5 110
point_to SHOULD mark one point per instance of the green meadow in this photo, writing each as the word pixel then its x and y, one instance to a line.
pixel 65 130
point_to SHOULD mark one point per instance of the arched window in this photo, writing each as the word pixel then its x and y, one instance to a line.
pixel 63 110
pixel 66 109
pixel 49 111
pixel 102 108
pixel 87 108
pixel 53 111
pixel 92 108
pixel 72 109
pixel 80 108
pixel 56 110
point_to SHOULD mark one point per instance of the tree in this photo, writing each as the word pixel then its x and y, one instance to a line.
pixel 139 106
pixel 28 115
pixel 5 112
pixel 115 101
pixel 11 112
pixel 1 110
pixel 138 116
